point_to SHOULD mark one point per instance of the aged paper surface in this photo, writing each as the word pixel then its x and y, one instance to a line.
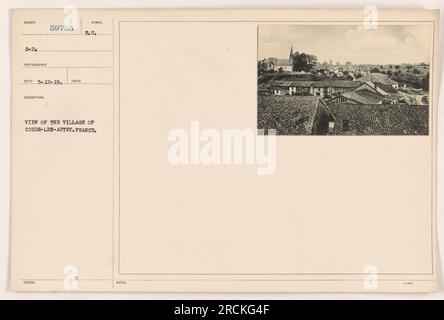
pixel 123 178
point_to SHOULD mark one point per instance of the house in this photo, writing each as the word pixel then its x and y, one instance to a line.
pixel 387 88
pixel 360 97
pixel 283 65
pixel 368 92
pixel 296 87
pixel 318 89
pixel 301 87
pixel 321 88
pixel 380 79
pixel 387 92
pixel 280 88
pixel 333 87
pixel 370 86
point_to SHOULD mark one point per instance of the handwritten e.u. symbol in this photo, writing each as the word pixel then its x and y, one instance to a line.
pixel 71 16
pixel 371 277
pixel 71 281
pixel 371 17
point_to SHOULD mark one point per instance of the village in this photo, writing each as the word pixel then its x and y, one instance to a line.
pixel 355 98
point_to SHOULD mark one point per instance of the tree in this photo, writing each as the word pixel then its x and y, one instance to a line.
pixel 375 70
pixel 260 66
pixel 425 83
pixel 311 59
pixel 304 62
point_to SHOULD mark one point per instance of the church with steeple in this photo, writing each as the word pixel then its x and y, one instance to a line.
pixel 283 64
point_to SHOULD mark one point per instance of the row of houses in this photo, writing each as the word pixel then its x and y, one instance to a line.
pixel 367 93
pixel 371 89
pixel 320 88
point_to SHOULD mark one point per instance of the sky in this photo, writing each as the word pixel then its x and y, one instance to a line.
pixel 388 44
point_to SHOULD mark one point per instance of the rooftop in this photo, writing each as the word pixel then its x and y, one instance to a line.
pixel 336 83
pixel 283 63
pixel 378 78
pixel 289 115
pixel 292 83
pixel 317 84
pixel 363 97
pixel 380 119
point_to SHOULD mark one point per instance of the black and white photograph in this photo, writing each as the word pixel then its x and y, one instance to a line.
pixel 344 79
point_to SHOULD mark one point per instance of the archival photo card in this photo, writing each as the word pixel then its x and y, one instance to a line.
pixel 138 163
pixel 351 79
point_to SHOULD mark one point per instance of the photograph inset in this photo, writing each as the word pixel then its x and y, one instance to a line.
pixel 344 79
